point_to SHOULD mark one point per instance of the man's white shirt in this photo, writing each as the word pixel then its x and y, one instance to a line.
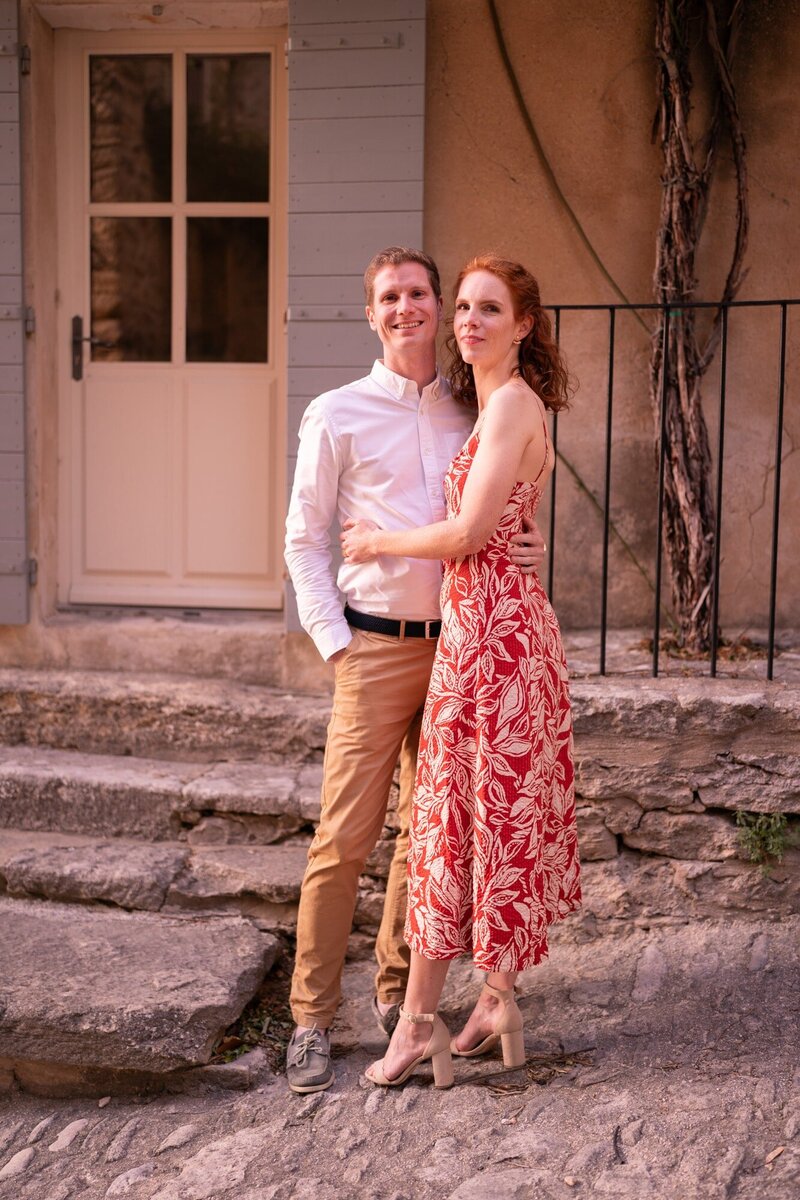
pixel 375 450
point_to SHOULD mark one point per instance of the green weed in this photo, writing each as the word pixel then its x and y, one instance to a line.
pixel 764 837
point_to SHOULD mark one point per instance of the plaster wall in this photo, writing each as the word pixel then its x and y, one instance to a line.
pixel 588 75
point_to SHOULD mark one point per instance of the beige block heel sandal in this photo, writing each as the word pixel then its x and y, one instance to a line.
pixel 437 1050
pixel 507 1031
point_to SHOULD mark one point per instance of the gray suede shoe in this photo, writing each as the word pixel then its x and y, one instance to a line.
pixel 308 1061
pixel 386 1021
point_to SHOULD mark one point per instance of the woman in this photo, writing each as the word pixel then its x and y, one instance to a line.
pixel 493 857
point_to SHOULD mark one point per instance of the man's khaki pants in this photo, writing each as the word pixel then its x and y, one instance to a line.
pixel 381 684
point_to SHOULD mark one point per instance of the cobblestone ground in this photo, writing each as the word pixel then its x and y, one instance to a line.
pixel 663 1062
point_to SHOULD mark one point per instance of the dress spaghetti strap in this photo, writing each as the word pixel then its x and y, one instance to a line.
pixel 546 450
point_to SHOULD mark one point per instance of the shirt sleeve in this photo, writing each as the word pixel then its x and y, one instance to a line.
pixel 312 512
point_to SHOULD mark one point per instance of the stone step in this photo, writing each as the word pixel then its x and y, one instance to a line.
pixel 114 796
pixel 128 996
pixel 167 717
pixel 167 877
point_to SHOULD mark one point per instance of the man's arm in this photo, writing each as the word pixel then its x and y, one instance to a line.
pixel 312 512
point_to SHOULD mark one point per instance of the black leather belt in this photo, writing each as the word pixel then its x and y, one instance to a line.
pixel 385 625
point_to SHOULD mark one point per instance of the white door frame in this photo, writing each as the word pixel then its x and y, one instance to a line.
pixel 72 52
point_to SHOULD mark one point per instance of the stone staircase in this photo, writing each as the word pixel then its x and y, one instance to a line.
pixel 154 831
pixel 153 836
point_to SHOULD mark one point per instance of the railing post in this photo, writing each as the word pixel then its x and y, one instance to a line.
pixel 776 498
pixel 662 453
pixel 612 313
pixel 718 513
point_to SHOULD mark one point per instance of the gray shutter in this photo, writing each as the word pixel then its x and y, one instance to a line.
pixel 356 139
pixel 13 550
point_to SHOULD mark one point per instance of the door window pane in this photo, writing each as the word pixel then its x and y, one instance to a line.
pixel 228 99
pixel 226 289
pixel 132 288
pixel 131 127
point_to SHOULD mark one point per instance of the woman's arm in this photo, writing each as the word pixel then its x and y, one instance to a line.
pixel 504 437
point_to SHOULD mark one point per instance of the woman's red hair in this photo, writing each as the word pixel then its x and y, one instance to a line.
pixel 540 362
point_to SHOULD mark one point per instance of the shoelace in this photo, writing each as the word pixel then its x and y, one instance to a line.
pixel 308 1043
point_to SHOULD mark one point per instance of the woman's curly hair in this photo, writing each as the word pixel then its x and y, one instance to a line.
pixel 541 364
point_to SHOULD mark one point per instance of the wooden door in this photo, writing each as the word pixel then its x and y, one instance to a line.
pixel 172 297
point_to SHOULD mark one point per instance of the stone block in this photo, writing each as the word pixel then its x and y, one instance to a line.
pixel 681 743
pixel 309 785
pixel 124 991
pixel 369 907
pixel 128 874
pixel 595 840
pixel 634 886
pixel 236 830
pixel 763 782
pixel 273 873
pixel 236 1076
pixel 91 794
pixel 150 715
pixel 380 859
pixel 701 837
pixel 257 788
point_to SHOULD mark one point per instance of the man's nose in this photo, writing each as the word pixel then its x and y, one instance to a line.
pixel 405 303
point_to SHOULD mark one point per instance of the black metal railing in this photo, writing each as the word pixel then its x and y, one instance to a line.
pixel 667 311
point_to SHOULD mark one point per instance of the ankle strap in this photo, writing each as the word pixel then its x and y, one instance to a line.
pixel 506 994
pixel 417 1018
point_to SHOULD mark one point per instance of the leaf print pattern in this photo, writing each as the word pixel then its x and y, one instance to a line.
pixel 493 859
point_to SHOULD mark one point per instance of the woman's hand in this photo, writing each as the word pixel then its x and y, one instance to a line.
pixel 358 541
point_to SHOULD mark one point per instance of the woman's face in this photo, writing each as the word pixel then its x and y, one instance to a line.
pixel 484 323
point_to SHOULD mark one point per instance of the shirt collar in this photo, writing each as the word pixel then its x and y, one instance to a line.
pixel 398 385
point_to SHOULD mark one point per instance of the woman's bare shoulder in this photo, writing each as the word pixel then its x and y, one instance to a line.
pixel 514 400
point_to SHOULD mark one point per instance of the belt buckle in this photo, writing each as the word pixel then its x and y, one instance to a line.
pixel 402 630
pixel 428 634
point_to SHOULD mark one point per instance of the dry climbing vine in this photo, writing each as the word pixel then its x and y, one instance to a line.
pixel 684 30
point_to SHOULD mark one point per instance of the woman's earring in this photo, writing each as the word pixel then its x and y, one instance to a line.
pixel 517 341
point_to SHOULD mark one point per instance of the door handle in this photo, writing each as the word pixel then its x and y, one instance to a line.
pixel 77 347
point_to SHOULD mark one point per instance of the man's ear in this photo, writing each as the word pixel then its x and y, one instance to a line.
pixel 371 318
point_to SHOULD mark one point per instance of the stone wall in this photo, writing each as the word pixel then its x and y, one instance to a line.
pixel 662 767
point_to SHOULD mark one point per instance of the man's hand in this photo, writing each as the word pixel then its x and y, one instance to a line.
pixel 527 550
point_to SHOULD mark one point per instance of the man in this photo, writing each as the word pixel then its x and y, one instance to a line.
pixel 376 449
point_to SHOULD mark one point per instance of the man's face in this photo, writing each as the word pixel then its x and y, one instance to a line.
pixel 405 312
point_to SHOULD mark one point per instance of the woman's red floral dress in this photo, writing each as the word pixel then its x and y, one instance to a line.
pixel 494 852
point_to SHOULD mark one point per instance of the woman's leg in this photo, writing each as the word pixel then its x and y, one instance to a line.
pixel 484 1016
pixel 425 982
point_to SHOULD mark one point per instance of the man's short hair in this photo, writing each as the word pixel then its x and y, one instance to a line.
pixel 395 256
